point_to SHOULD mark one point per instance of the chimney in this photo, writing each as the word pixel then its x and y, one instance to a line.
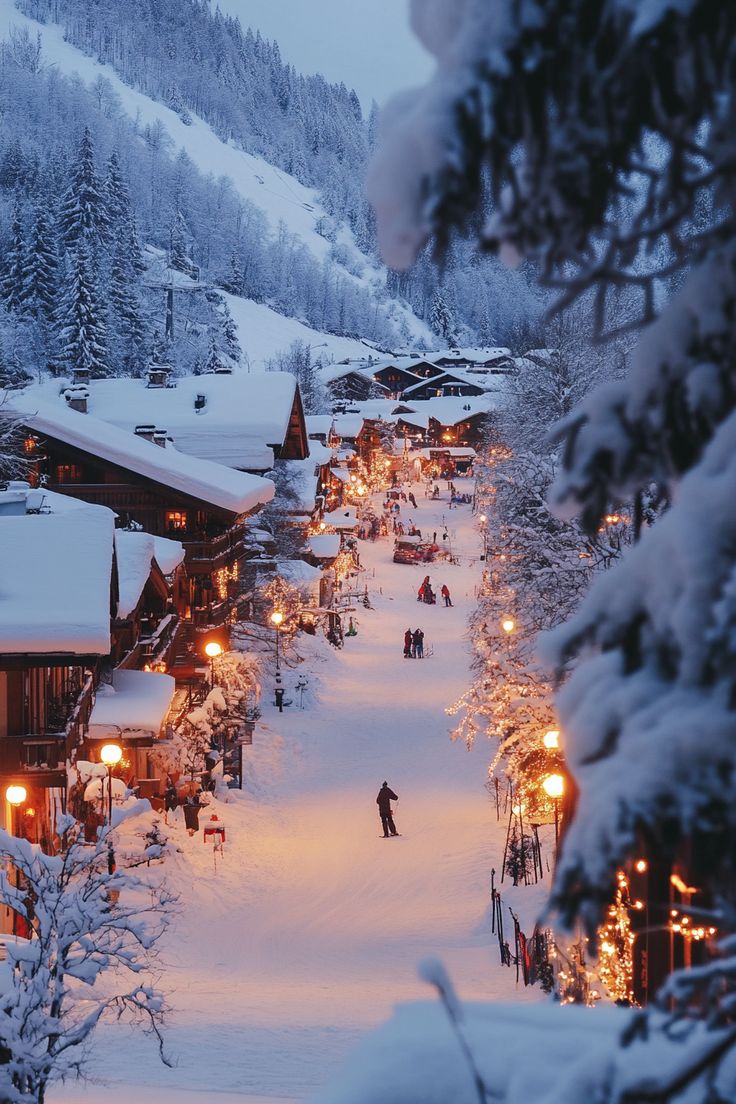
pixel 80 375
pixel 159 375
pixel 160 437
pixel 146 432
pixel 76 397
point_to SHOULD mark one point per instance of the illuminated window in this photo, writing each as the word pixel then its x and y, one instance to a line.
pixel 29 444
pixel 68 473
pixel 176 520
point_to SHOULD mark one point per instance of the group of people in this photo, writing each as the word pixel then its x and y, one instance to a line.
pixel 414 644
pixel 426 594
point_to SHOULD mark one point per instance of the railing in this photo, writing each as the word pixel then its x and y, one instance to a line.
pixel 155 648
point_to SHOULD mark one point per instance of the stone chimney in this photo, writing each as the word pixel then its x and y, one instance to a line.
pixel 77 396
pixel 80 375
pixel 160 437
pixel 146 432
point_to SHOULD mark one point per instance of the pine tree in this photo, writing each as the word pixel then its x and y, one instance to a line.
pixel 115 194
pixel 214 362
pixel 440 319
pixel 135 253
pixel 230 335
pixel 126 322
pixel 84 214
pixel 14 265
pixel 40 286
pixel 83 334
pixel 179 244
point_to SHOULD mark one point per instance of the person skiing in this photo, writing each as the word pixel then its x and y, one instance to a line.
pixel 407 644
pixel 384 799
pixel 418 644
pixel 446 594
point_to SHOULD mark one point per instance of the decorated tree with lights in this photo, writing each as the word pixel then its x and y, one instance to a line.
pixel 601 138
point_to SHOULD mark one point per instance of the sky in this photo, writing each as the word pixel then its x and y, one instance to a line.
pixel 365 43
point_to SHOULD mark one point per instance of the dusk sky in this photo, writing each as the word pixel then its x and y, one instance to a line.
pixel 368 44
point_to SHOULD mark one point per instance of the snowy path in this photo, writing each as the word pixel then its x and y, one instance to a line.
pixel 313 925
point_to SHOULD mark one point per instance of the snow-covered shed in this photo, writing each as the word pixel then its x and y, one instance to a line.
pixel 132 707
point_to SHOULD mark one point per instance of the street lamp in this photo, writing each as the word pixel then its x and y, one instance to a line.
pixel 110 755
pixel 276 618
pixel 508 624
pixel 212 649
pixel 15 796
pixel 551 739
pixel 554 787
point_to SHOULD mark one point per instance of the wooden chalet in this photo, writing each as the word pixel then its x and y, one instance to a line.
pixel 198 503
pixel 444 384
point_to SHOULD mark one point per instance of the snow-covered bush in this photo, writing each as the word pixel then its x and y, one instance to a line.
pixel 84 919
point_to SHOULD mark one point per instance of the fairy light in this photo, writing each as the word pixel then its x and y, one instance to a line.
pixel 616 944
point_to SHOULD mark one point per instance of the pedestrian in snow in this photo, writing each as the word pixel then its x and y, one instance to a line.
pixel 412 499
pixel 446 594
pixel 192 805
pixel 436 492
pixel 171 800
pixel 420 592
pixel 407 644
pixel 418 644
pixel 384 799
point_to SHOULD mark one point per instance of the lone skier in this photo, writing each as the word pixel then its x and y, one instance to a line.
pixel 384 799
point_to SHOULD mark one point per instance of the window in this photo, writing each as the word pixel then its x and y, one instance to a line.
pixel 68 473
pixel 176 521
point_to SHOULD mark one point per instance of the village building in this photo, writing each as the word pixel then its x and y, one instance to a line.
pixel 161 490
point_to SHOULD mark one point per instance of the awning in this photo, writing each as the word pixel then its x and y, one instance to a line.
pixel 133 708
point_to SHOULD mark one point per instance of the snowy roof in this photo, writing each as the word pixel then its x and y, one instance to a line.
pixel 342 519
pixel 55 577
pixel 348 425
pixel 299 572
pixel 452 409
pixel 137 703
pixel 447 450
pixel 135 552
pixel 230 490
pixel 341 473
pixel 318 424
pixel 324 546
pixel 243 415
pixel 320 454
pixel 473 355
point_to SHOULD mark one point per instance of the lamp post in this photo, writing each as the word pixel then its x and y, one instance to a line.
pixel 276 618
pixel 508 624
pixel 551 739
pixel 15 796
pixel 110 755
pixel 554 786
pixel 212 650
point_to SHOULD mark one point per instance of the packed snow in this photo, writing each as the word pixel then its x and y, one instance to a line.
pixel 307 932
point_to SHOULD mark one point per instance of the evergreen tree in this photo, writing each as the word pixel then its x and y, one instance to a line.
pixel 84 214
pixel 14 264
pixel 40 286
pixel 83 334
pixel 126 323
pixel 179 238
pixel 440 319
pixel 115 195
pixel 214 362
pixel 230 335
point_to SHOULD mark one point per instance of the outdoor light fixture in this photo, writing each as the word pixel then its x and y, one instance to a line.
pixel 277 617
pixel 110 755
pixel 16 795
pixel 554 785
pixel 641 866
pixel 483 519
pixel 213 649
pixel 508 624
pixel 551 739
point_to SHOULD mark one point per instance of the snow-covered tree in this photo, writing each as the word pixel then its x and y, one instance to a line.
pixel 40 287
pixel 440 319
pixel 14 271
pixel 85 919
pixel 83 217
pixel 84 333
pixel 604 135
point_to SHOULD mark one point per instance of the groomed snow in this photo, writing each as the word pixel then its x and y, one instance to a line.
pixel 55 577
pixel 231 490
pixel 308 931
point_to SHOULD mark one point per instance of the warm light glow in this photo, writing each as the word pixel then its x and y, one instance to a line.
pixel 641 866
pixel 681 886
pixel 16 795
pixel 322 525
pixel 213 649
pixel 110 754
pixel 551 739
pixel 639 905
pixel 277 617
pixel 483 519
pixel 508 624
pixel 353 479
pixel 554 785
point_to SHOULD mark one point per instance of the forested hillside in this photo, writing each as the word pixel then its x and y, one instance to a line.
pixel 193 58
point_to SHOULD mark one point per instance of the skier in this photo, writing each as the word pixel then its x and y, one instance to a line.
pixel 446 594
pixel 418 644
pixel 384 799
pixel 407 644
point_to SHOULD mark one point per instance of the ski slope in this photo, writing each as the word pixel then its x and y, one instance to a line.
pixel 311 928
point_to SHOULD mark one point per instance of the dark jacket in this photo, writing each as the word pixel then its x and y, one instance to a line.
pixel 418 637
pixel 384 799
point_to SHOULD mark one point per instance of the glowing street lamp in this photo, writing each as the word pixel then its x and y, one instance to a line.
pixel 16 795
pixel 110 755
pixel 276 619
pixel 554 787
pixel 212 650
pixel 551 739
pixel 508 624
